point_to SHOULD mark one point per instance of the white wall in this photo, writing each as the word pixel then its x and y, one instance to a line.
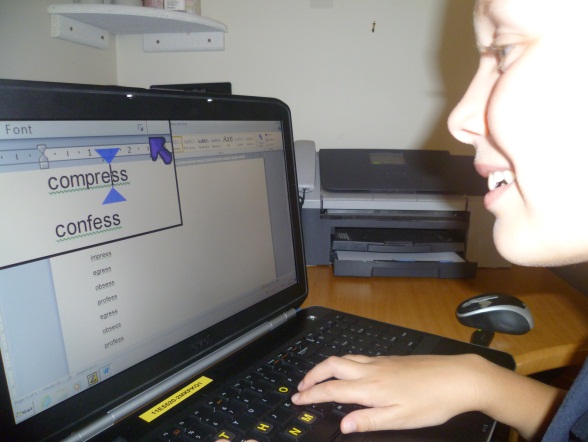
pixel 27 51
pixel 346 86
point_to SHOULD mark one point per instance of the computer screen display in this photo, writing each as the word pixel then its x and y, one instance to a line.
pixel 122 238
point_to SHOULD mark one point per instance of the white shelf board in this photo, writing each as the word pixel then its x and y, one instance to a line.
pixel 162 30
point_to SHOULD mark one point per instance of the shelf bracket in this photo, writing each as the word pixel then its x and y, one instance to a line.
pixel 163 31
pixel 184 42
pixel 76 31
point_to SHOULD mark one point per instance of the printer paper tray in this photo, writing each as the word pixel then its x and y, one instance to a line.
pixel 398 240
pixel 427 265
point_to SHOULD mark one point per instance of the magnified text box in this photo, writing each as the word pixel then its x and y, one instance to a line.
pixel 71 208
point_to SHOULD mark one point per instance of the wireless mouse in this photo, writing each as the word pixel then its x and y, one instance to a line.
pixel 496 312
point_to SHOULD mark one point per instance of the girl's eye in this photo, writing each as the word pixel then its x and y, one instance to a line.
pixel 501 53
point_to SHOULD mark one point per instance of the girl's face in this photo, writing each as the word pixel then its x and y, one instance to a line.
pixel 526 113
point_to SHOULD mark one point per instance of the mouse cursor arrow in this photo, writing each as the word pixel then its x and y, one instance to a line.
pixel 157 149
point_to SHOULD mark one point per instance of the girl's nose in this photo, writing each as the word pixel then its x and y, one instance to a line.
pixel 468 119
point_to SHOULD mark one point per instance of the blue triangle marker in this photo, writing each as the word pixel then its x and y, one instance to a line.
pixel 108 154
pixel 114 197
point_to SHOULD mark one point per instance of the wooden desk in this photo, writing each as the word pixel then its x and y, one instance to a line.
pixel 559 339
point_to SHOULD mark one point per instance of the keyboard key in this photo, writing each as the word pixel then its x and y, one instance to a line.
pixel 227 435
pixel 226 407
pixel 307 418
pixel 171 434
pixel 208 418
pixel 246 396
pixel 243 422
pixel 344 409
pixel 281 415
pixel 321 409
pixel 264 430
pixel 257 409
pixel 273 399
pixel 294 432
pixel 260 387
pixel 198 433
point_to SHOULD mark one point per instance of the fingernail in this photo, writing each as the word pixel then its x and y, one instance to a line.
pixel 295 397
pixel 348 427
pixel 300 385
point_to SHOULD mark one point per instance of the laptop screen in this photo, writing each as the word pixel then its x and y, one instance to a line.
pixel 122 238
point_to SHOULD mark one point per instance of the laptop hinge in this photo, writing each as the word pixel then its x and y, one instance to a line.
pixel 152 393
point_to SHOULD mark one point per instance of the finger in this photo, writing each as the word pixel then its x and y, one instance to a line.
pixel 333 367
pixel 342 391
pixel 369 419
pixel 392 417
pixel 359 358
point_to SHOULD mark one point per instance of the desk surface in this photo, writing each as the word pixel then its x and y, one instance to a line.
pixel 559 338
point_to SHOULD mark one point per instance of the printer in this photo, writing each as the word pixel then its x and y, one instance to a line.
pixel 376 212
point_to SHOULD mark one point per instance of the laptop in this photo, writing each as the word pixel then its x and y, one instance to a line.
pixel 152 273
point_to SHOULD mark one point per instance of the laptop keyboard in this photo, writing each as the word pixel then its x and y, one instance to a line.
pixel 256 405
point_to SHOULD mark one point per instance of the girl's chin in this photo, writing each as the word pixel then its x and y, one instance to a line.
pixel 513 247
pixel 521 249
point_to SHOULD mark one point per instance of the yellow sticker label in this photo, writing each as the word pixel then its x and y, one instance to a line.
pixel 175 399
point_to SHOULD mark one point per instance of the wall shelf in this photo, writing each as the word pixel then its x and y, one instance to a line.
pixel 163 31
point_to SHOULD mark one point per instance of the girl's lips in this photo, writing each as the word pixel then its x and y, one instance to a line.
pixel 483 169
pixel 499 181
pixel 493 195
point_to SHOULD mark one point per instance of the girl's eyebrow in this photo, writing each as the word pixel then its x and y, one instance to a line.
pixel 484 22
pixel 482 9
pixel 489 15
pixel 491 9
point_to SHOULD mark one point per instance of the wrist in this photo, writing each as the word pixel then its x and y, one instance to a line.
pixel 518 401
pixel 481 379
